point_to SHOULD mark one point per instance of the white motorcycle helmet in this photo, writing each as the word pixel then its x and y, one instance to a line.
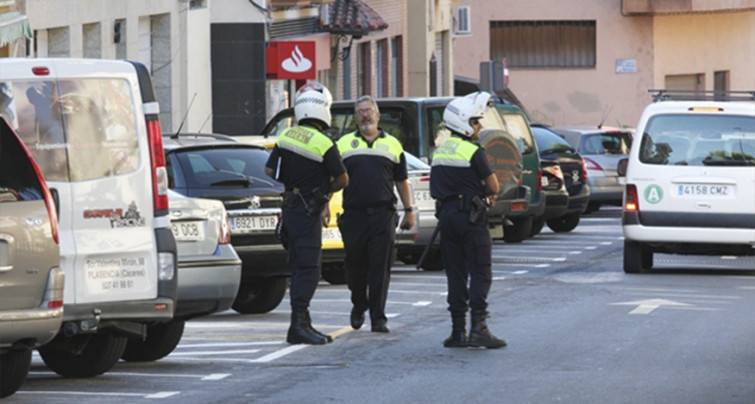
pixel 312 101
pixel 459 111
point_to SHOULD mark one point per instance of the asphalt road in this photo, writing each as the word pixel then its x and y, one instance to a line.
pixel 579 331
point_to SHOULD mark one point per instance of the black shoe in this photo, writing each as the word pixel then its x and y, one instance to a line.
pixel 380 327
pixel 357 318
pixel 301 331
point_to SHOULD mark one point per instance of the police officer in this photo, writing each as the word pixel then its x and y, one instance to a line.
pixel 375 162
pixel 308 164
pixel 460 180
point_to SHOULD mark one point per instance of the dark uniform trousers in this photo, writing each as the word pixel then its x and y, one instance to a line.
pixel 466 251
pixel 368 237
pixel 304 252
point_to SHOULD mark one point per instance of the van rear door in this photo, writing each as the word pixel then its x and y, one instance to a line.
pixel 81 123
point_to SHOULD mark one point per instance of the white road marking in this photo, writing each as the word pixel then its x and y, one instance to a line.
pixel 422 303
pixel 198 353
pixel 158 395
pixel 648 305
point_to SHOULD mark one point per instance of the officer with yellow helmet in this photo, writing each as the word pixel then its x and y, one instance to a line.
pixel 307 162
pixel 461 180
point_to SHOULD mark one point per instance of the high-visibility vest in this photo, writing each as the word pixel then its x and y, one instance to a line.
pixel 386 146
pixel 305 141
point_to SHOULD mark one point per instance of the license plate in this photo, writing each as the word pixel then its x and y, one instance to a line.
pixel 188 231
pixel 245 224
pixel 330 233
pixel 715 191
pixel 422 196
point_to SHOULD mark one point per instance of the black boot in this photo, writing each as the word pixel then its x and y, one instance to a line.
pixel 458 338
pixel 300 331
pixel 479 335
pixel 309 322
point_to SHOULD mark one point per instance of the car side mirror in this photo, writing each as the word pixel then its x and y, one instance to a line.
pixel 621 168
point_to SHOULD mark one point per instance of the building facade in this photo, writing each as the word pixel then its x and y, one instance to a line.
pixel 593 61
pixel 171 38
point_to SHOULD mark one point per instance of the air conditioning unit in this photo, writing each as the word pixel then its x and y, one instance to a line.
pixel 463 21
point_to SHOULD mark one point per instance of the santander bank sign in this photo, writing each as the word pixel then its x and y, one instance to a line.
pixel 291 60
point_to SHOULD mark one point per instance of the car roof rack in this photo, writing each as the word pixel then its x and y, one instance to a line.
pixel 701 95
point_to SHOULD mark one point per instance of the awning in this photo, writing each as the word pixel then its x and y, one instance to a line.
pixel 353 17
pixel 13 26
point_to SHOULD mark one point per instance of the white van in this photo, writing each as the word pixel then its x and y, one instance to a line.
pixel 690 178
pixel 92 128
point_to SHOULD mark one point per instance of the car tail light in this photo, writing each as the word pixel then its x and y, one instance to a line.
pixel 582 171
pixel 631 202
pixel 40 71
pixel 52 210
pixel 159 172
pixel 539 181
pixel 424 179
pixel 592 165
pixel 225 230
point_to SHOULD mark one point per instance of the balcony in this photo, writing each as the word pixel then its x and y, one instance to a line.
pixel 656 7
pixel 278 4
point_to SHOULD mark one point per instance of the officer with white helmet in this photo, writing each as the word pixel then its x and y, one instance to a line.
pixel 307 162
pixel 461 180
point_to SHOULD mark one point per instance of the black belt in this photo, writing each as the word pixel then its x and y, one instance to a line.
pixel 371 210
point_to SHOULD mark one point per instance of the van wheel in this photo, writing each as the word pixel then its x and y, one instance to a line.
pixel 334 273
pixel 83 355
pixel 14 366
pixel 537 227
pixel 637 257
pixel 260 295
pixel 519 231
pixel 162 339
pixel 565 223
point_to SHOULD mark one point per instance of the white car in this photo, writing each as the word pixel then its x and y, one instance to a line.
pixel 691 178
pixel 412 242
pixel 209 272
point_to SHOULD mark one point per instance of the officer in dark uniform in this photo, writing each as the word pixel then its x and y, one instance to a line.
pixel 460 180
pixel 308 164
pixel 375 162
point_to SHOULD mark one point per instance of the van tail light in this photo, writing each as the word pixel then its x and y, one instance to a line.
pixel 225 230
pixel 539 181
pixel 157 157
pixel 583 170
pixel 591 164
pixel 631 202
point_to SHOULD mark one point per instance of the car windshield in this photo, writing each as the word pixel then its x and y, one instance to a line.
pixel 696 140
pixel 550 143
pixel 606 143
pixel 415 164
pixel 225 167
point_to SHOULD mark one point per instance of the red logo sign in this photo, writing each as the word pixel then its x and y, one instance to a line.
pixel 291 60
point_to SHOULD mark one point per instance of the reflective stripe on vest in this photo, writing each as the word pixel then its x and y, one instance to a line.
pixel 306 142
pixel 455 152
pixel 387 146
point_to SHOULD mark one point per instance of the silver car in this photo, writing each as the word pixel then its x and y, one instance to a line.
pixel 31 281
pixel 602 147
pixel 209 272
pixel 411 243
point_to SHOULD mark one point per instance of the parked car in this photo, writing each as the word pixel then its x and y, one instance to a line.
pixel 31 280
pixel 601 147
pixel 522 220
pixel 92 127
pixel 553 147
pixel 215 166
pixel 209 273
pixel 412 243
pixel 418 123
pixel 691 178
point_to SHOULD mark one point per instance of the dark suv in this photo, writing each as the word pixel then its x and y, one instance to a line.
pixel 418 123
pixel 215 166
